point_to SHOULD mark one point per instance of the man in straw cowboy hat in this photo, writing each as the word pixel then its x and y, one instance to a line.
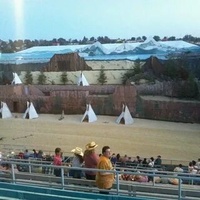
pixel 77 161
pixel 104 180
pixel 91 159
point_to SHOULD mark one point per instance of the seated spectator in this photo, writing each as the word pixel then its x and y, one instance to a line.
pixel 127 177
pixel 198 163
pixel 40 154
pixel 20 155
pixel 162 180
pixel 129 161
pixel 113 159
pixel 158 162
pixel 173 181
pixel 197 166
pixel 151 162
pixel 48 170
pixel 26 154
pixel 3 169
pixel 141 178
pixel 49 158
pixel 144 163
pixel 124 159
pixel 138 160
pixel 35 154
pixel 11 155
pixel 179 169
pixel 118 157
pixel 191 168
pixel 7 168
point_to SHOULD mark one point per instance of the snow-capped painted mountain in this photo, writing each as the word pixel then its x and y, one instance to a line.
pixel 152 46
pixel 178 44
pixel 95 49
pixel 123 48
pixel 149 43
pixel 98 51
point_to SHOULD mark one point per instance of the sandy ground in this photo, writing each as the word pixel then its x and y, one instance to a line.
pixel 146 138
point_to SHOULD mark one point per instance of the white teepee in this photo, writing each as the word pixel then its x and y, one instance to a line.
pixel 5 111
pixel 82 80
pixel 125 116
pixel 30 112
pixel 16 79
pixel 89 114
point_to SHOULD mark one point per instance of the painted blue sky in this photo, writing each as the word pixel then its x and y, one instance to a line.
pixel 48 19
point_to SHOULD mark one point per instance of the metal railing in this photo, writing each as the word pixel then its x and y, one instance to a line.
pixel 64 180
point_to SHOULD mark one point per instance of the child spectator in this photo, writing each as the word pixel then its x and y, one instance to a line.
pixel 57 160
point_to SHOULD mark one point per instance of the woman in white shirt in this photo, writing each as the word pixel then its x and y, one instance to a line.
pixel 77 162
pixel 191 168
pixel 151 162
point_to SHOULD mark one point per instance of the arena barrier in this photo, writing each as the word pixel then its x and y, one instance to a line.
pixel 42 184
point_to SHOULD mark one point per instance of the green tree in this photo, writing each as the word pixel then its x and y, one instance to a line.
pixel 172 38
pixel 190 89
pixel 133 38
pixel 137 67
pixel 138 39
pixel 156 38
pixel 171 69
pixel 42 78
pixel 64 78
pixel 62 41
pixel 102 76
pixel 28 78
pixel 52 82
pixel 133 71
pixel 144 38
pixel 84 40
pixel 92 39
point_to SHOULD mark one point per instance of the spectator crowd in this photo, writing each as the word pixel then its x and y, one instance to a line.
pixel 104 161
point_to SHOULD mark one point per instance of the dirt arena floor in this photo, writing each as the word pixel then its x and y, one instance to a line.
pixel 146 138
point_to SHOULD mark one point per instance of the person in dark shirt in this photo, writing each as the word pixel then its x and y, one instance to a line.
pixel 144 162
pixel 113 159
pixel 158 162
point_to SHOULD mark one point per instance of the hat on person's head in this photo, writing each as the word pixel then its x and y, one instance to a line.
pixel 77 151
pixel 91 145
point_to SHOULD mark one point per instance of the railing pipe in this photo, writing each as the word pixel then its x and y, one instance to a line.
pixel 29 166
pixel 62 178
pixel 117 181
pixel 179 189
pixel 13 173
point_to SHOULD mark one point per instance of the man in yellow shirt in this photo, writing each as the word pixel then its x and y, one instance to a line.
pixel 104 180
